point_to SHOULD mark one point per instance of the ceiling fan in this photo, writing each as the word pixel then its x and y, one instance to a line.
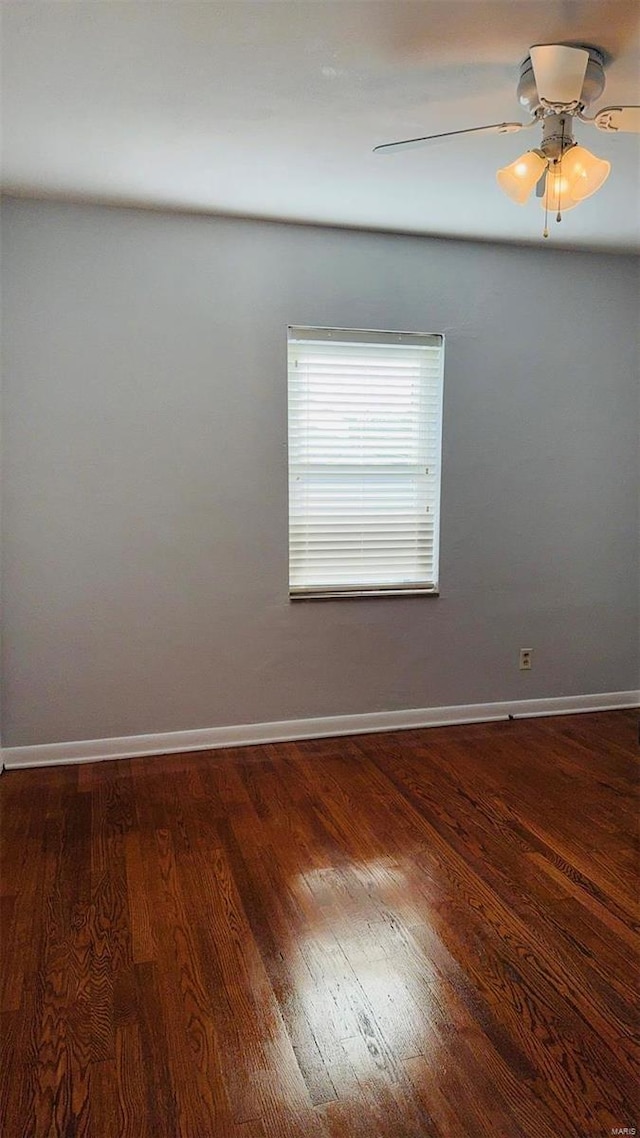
pixel 557 84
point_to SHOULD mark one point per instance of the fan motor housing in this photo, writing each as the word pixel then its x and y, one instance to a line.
pixel 592 88
pixel 557 136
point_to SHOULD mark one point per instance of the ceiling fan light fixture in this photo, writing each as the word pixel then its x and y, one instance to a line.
pixel 557 195
pixel 520 178
pixel 584 172
pixel 558 83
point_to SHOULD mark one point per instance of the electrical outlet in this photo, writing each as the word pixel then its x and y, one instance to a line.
pixel 525 659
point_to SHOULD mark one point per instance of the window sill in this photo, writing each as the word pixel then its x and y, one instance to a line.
pixel 361 594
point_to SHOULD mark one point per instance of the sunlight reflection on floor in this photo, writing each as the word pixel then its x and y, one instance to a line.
pixel 361 982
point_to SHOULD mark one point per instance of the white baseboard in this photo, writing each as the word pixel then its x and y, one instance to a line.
pixel 251 734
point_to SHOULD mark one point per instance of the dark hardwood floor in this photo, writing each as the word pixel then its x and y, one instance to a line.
pixel 427 934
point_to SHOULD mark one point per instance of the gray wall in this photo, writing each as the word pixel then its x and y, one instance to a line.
pixel 145 508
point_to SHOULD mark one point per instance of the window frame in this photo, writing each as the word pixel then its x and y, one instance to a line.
pixel 358 590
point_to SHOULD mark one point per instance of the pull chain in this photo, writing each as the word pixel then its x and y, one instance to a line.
pixel 545 231
pixel 559 213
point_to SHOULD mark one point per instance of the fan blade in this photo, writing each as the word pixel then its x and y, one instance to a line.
pixel 559 73
pixel 541 184
pixel 497 128
pixel 618 119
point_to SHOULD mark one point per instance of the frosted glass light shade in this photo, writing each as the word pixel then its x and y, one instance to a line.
pixel 557 194
pixel 584 172
pixel 518 179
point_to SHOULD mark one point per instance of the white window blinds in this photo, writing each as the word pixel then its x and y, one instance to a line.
pixel 365 412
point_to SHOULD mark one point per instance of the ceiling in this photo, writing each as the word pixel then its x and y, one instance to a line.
pixel 272 109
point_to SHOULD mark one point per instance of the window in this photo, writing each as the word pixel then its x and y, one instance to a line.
pixel 365 411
